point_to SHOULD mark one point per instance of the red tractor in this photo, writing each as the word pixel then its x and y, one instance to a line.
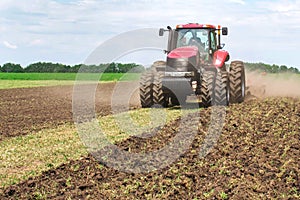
pixel 195 67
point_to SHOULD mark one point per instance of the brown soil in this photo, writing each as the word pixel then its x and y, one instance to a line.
pixel 32 109
pixel 256 157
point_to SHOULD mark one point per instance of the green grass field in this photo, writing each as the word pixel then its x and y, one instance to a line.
pixel 28 80
pixel 70 76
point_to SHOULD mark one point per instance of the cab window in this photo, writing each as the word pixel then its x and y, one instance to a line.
pixel 213 40
pixel 183 38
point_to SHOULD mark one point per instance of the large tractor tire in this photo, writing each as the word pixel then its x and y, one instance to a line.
pixel 146 89
pixel 221 91
pixel 207 87
pixel 159 97
pixel 158 94
pixel 237 82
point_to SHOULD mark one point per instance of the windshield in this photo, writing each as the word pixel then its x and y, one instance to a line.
pixel 193 37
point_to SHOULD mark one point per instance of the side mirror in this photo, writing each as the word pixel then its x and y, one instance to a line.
pixel 224 31
pixel 161 32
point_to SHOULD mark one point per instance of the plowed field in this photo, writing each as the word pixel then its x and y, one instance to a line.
pixel 23 110
pixel 255 157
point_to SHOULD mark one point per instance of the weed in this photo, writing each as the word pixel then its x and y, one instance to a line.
pixel 223 195
pixel 208 194
pixel 40 195
pixel 68 181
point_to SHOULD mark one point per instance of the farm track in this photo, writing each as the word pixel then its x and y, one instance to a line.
pixel 256 157
pixel 27 110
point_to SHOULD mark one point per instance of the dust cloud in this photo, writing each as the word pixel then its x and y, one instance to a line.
pixel 260 84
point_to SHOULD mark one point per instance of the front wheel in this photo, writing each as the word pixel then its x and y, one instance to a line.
pixel 159 97
pixel 146 89
pixel 237 82
pixel 207 87
pixel 222 89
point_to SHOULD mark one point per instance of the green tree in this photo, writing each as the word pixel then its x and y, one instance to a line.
pixel 41 67
pixel 75 68
pixel 262 67
pixel 283 68
pixel 293 70
pixel 275 68
pixel 11 67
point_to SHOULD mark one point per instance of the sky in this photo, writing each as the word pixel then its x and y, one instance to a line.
pixel 68 31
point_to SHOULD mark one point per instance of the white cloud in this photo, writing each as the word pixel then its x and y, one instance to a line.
pixel 6 3
pixel 281 5
pixel 36 42
pixel 242 2
pixel 9 45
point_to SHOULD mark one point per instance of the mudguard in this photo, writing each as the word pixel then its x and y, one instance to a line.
pixel 220 57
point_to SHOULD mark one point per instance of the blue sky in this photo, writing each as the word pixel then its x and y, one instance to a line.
pixel 67 31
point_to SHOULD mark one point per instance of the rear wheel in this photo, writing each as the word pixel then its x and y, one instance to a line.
pixel 221 89
pixel 237 82
pixel 207 86
pixel 158 93
pixel 146 91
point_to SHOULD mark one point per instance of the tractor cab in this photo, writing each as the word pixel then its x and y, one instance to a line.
pixel 206 38
pixel 199 38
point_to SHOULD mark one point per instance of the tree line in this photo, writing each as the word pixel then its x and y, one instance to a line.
pixel 48 67
pixel 262 67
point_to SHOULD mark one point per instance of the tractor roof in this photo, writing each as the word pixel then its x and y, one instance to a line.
pixel 195 25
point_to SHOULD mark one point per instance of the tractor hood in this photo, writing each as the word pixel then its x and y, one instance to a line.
pixel 183 59
pixel 183 52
